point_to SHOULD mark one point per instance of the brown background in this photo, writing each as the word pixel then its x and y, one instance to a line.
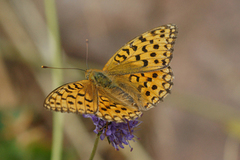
pixel 199 120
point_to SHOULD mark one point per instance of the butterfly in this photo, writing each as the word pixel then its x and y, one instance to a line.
pixel 135 79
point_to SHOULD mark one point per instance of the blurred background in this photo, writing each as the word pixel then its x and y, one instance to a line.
pixel 199 120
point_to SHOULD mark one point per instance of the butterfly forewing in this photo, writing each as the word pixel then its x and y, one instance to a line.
pixel 77 97
pixel 147 52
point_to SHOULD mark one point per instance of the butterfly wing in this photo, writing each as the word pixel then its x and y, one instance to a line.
pixel 143 66
pixel 148 52
pixel 83 97
pixel 76 97
pixel 151 86
pixel 112 109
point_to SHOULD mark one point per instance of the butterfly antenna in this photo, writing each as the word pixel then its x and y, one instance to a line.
pixel 87 53
pixel 62 68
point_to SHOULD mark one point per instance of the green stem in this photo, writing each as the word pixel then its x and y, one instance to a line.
pixel 57 136
pixel 95 146
pixel 55 48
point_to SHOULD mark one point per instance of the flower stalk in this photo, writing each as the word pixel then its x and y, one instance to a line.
pixel 55 49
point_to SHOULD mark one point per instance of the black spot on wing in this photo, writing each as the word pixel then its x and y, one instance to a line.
pixel 156 46
pixel 149 79
pixel 145 84
pixel 144 49
pixel 162 35
pixel 79 94
pixel 153 54
pixel 69 87
pixel 71 96
pixel 89 100
pixel 67 90
pixel 147 93
pixel 142 39
pixel 118 56
pixel 139 88
pixel 145 63
pixel 154 75
pixel 154 87
pixel 164 62
pixel 156 61
pixel 133 76
pixel 134 48
pixel 126 50
pixel 104 100
pixel 70 102
pixel 137 57
pixel 76 86
pixel 104 109
pixel 153 32
pixel 117 111
pixel 59 94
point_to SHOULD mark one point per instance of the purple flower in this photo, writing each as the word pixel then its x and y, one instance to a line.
pixel 116 133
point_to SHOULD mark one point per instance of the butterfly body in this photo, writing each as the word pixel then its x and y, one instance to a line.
pixel 99 78
pixel 113 85
pixel 135 79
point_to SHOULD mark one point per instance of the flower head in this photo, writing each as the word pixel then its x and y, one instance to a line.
pixel 116 133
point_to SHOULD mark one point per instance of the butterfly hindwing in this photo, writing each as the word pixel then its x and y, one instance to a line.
pixel 147 52
pixel 113 110
pixel 153 86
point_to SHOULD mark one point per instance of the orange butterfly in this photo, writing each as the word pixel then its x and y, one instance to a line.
pixel 135 79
